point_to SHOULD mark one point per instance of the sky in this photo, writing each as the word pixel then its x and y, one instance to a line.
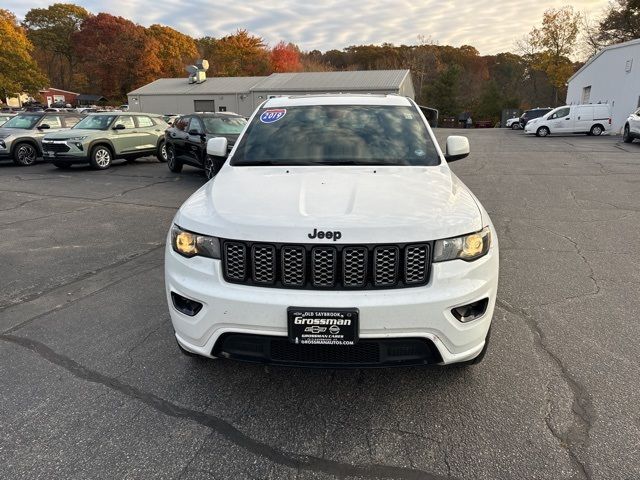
pixel 492 26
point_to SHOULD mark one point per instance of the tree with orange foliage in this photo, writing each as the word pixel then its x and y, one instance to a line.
pixel 117 55
pixel 18 71
pixel 177 50
pixel 240 54
pixel 285 57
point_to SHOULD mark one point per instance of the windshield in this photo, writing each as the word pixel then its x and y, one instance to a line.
pixel 26 122
pixel 95 122
pixel 337 135
pixel 224 125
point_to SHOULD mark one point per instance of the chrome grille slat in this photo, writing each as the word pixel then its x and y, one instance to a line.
pixel 306 266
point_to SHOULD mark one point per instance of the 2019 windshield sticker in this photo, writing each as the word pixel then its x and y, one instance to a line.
pixel 272 115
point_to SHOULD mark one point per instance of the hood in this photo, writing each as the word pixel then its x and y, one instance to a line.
pixel 72 132
pixel 7 132
pixel 366 204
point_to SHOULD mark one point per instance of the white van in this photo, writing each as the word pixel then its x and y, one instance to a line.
pixel 589 119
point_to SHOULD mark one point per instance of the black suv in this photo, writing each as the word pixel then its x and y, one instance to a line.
pixel 533 113
pixel 186 140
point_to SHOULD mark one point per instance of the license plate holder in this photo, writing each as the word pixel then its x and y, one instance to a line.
pixel 323 326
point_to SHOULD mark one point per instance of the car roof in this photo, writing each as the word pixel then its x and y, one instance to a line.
pixel 337 99
pixel 125 113
pixel 214 114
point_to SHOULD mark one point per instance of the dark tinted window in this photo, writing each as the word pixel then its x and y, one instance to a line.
pixel 337 134
pixel 224 125
pixel 195 125
pixel 181 123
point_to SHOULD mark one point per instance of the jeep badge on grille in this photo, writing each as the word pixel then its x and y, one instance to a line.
pixel 329 235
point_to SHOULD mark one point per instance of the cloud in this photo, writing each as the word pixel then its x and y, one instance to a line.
pixel 489 25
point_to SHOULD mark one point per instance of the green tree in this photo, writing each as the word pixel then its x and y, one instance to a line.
pixel 443 92
pixel 620 23
pixel 51 31
pixel 18 70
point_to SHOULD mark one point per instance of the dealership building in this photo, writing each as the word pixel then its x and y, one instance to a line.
pixel 611 76
pixel 243 94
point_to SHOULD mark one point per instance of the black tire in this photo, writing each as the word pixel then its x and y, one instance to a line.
pixel 101 157
pixel 211 167
pixel 515 126
pixel 596 130
pixel 62 165
pixel 161 154
pixel 626 135
pixel 25 154
pixel 174 165
pixel 542 132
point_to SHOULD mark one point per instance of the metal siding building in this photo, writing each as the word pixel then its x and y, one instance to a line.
pixel 611 76
pixel 243 94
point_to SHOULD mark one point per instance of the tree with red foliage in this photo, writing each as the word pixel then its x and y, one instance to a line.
pixel 285 57
pixel 116 54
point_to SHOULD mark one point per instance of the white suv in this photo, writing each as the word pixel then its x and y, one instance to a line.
pixel 335 235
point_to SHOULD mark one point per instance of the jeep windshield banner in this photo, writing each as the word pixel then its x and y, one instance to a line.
pixel 323 326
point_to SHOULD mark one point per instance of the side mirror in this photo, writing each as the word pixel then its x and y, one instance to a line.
pixel 44 126
pixel 217 147
pixel 119 126
pixel 457 148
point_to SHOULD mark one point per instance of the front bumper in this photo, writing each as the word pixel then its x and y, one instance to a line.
pixel 76 151
pixel 422 313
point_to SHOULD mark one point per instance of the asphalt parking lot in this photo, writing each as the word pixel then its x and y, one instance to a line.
pixel 93 385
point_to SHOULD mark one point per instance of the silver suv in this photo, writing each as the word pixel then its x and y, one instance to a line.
pixel 21 137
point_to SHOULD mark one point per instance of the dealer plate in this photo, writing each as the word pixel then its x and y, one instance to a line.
pixel 322 326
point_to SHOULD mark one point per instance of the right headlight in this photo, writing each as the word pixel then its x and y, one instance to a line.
pixel 189 244
pixel 468 247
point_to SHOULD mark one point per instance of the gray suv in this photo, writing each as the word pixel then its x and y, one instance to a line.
pixel 21 136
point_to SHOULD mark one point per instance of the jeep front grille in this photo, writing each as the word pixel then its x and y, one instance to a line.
pixel 350 267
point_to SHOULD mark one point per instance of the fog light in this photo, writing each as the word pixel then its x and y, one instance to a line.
pixel 185 305
pixel 79 146
pixel 471 311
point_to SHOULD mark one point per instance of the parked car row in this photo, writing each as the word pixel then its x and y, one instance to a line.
pixel 67 138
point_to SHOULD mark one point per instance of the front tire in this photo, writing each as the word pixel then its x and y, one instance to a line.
pixel 101 157
pixel 596 130
pixel 24 154
pixel 515 126
pixel 626 136
pixel 542 132
pixel 174 165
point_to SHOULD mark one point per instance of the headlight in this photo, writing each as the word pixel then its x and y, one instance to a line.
pixel 76 139
pixel 190 244
pixel 469 247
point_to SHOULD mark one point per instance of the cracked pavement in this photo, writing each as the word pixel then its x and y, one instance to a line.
pixel 93 385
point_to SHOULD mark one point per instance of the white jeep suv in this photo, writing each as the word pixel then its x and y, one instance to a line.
pixel 335 235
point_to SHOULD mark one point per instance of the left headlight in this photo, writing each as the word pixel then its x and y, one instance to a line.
pixel 76 139
pixel 189 244
pixel 468 247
